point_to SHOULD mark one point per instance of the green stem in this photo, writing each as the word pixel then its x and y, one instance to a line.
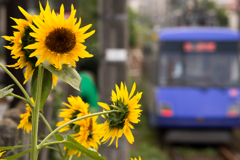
pixel 70 157
pixel 77 119
pixel 46 145
pixel 65 155
pixel 18 83
pixel 46 122
pixel 51 143
pixel 120 109
pixel 52 148
pixel 35 115
pixel 19 97
pixel 50 129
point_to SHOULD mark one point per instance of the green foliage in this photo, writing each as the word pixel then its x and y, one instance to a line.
pixel 220 13
pixel 72 144
pixel 132 28
pixel 12 147
pixel 189 152
pixel 87 10
pixel 68 74
pixel 14 157
pixel 6 91
pixel 59 95
pixel 46 86
pixel 147 144
pixel 148 151
pixel 139 29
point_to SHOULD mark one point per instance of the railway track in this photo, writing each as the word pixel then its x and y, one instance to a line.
pixel 229 154
pixel 225 153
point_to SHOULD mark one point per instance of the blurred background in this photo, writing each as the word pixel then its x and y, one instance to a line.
pixel 166 47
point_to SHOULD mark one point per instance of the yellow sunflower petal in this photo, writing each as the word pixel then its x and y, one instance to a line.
pixel 104 105
pixel 27 15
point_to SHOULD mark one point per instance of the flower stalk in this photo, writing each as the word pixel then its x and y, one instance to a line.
pixel 35 115
pixel 70 122
pixel 18 83
pixel 50 129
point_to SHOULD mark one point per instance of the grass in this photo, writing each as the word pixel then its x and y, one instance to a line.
pixel 147 144
pixel 188 152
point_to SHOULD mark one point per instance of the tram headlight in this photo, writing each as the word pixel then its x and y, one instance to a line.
pixel 165 110
pixel 233 111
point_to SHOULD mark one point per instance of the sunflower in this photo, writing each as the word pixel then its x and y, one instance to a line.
pixel 21 39
pixel 58 40
pixel 88 134
pixel 26 122
pixel 119 123
pixel 136 158
pixel 1 153
pixel 87 130
pixel 18 40
pixel 76 108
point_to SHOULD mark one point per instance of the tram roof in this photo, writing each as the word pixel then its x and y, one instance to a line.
pixel 198 34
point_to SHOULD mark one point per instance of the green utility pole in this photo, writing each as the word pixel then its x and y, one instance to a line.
pixel 113 44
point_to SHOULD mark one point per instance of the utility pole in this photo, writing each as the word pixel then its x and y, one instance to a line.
pixel 113 44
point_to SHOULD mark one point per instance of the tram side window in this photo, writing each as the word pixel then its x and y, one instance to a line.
pixel 234 76
pixel 171 69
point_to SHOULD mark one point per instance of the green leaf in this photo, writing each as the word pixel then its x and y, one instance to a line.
pixel 46 86
pixel 14 157
pixel 5 91
pixel 63 135
pixel 59 137
pixel 72 144
pixel 12 147
pixel 68 74
pixel 51 139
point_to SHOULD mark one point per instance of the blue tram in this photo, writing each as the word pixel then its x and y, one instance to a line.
pixel 198 79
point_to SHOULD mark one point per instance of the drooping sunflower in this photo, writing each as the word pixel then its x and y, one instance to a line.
pixel 59 40
pixel 119 123
pixel 88 134
pixel 136 158
pixel 17 41
pixel 76 108
pixel 21 39
pixel 1 153
pixel 26 122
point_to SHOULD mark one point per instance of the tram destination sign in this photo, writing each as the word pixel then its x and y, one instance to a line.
pixel 199 46
pixel 208 46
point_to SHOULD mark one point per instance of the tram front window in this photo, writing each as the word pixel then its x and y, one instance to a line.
pixel 171 69
pixel 199 69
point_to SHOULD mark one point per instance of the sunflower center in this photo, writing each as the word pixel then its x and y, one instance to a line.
pixel 30 119
pixel 74 115
pixel 60 40
pixel 26 40
pixel 117 119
